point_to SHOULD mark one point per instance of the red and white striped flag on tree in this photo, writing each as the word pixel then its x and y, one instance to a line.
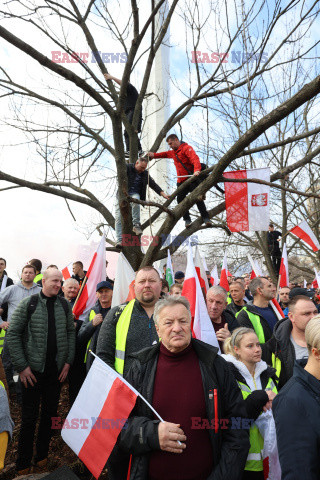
pixel 304 232
pixel 95 274
pixel 247 204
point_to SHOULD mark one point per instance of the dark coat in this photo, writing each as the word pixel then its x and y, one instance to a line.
pixel 229 446
pixel 4 306
pixel 296 410
pixel 89 331
pixel 229 318
pixel 146 180
pixel 282 348
pixel 244 320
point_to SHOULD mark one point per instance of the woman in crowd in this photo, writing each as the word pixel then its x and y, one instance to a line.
pixel 297 414
pixel 257 382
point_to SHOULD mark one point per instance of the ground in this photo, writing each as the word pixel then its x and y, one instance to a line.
pixel 59 454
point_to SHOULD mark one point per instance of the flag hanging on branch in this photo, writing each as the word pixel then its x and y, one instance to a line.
pixel 214 276
pixel 304 232
pixel 67 271
pixel 95 274
pixel 284 268
pixel 201 325
pixel 123 289
pixel 169 271
pixel 224 274
pixel 200 269
pixel 247 204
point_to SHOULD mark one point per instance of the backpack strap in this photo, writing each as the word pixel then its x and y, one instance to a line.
pixel 65 305
pixel 32 305
pixel 186 168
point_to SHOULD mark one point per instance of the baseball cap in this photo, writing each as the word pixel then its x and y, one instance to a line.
pixel 104 284
pixel 300 291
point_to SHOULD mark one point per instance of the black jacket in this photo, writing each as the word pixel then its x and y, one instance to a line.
pixel 229 318
pixel 244 321
pixel 229 446
pixel 282 348
pixel 4 306
pixel 146 179
pixel 296 411
pixel 258 398
pixel 89 331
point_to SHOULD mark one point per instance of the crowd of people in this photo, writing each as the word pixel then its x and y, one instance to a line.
pixel 215 407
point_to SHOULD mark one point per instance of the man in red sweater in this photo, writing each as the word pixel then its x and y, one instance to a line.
pixel 187 163
pixel 193 390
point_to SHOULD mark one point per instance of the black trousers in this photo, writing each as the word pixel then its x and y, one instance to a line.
pixel 248 475
pixel 200 204
pixel 129 116
pixel 45 392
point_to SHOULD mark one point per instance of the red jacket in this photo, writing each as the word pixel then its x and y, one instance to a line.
pixel 187 156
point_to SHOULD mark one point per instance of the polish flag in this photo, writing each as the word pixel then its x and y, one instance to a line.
pixel 224 274
pixel 97 416
pixel 201 272
pixel 274 304
pixel 214 276
pixel 123 289
pixel 304 232
pixel 316 281
pixel 95 274
pixel 67 271
pixel 247 204
pixel 256 270
pixel 284 268
pixel 201 325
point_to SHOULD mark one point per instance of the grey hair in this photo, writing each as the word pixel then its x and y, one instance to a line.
pixel 70 280
pixel 170 301
pixel 217 290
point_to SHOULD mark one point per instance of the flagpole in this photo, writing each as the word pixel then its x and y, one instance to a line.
pixel 80 291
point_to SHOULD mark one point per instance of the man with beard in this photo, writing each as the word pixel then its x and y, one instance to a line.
pixel 127 329
pixel 259 315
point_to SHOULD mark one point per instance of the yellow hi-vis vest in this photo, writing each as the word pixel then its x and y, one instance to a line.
pixel 1 385
pixel 38 277
pixel 229 299
pixel 256 323
pixel 276 363
pixel 2 335
pixel 91 317
pixel 254 461
pixel 121 336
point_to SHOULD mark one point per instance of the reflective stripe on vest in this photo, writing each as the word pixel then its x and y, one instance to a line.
pixel 121 336
pixel 91 317
pixel 1 384
pixel 255 460
pixel 2 335
pixel 276 363
pixel 256 323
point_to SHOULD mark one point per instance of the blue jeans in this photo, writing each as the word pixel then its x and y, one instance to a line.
pixel 135 208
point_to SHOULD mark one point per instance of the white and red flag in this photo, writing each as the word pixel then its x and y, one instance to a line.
pixel 304 232
pixel 284 268
pixel 201 325
pixel 256 270
pixel 123 289
pixel 214 276
pixel 247 204
pixel 67 271
pixel 201 271
pixel 97 416
pixel 316 281
pixel 95 274
pixel 224 274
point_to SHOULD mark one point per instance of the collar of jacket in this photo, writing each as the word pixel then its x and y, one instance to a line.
pixel 305 377
pixel 206 353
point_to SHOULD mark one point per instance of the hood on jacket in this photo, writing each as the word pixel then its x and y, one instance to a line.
pixel 282 330
pixel 243 370
pixel 20 285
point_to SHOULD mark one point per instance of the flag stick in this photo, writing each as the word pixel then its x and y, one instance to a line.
pixel 80 291
pixel 184 176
